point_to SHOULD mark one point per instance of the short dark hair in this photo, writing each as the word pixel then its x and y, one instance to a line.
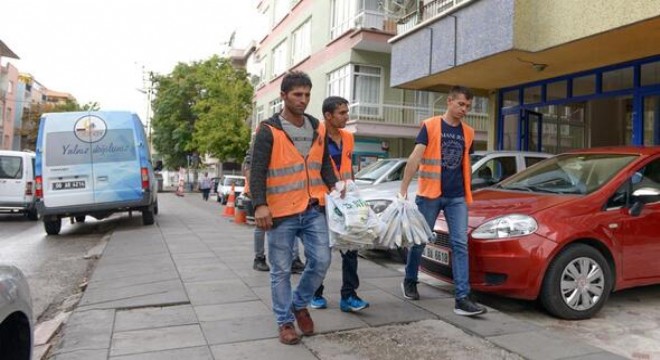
pixel 331 103
pixel 294 79
pixel 455 90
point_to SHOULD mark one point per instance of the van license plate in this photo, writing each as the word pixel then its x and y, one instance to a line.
pixel 65 185
pixel 437 255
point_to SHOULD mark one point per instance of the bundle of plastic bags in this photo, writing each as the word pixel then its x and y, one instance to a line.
pixel 404 225
pixel 352 224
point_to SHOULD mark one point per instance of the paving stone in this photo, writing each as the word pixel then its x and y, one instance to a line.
pixel 146 318
pixel 142 341
pixel 84 355
pixel 87 330
pixel 237 310
pixel 600 356
pixel 219 292
pixel 237 330
pixel 332 319
pixel 543 346
pixel 135 295
pixel 388 309
pixel 393 286
pixel 270 349
pixel 45 330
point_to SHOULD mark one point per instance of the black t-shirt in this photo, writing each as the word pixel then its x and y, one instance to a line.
pixel 453 148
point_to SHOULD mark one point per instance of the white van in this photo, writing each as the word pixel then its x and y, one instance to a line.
pixel 17 183
pixel 93 163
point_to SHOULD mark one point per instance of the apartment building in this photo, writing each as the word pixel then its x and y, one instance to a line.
pixel 343 46
pixel 8 84
pixel 560 74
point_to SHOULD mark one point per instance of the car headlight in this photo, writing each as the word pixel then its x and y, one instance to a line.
pixel 378 206
pixel 505 227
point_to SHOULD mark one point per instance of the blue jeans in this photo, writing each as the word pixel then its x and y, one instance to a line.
pixel 456 214
pixel 349 276
pixel 311 227
pixel 260 244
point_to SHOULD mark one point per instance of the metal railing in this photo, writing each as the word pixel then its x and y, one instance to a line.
pixel 365 19
pixel 402 114
pixel 430 10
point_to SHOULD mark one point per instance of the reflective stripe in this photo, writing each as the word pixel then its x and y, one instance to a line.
pixel 433 162
pixel 313 165
pixel 429 175
pixel 286 171
pixel 285 188
pixel 315 182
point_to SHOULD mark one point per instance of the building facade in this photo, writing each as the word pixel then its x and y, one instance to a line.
pixel 560 74
pixel 343 46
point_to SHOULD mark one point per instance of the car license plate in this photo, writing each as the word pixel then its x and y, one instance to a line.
pixel 436 254
pixel 65 185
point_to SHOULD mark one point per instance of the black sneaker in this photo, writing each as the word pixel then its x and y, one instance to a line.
pixel 466 307
pixel 297 267
pixel 409 290
pixel 260 264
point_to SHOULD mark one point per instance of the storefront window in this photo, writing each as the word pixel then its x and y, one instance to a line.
pixel 651 73
pixel 556 90
pixel 652 120
pixel 511 98
pixel 532 95
pixel 585 85
pixel 618 79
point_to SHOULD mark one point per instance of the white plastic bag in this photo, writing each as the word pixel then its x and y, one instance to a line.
pixel 404 225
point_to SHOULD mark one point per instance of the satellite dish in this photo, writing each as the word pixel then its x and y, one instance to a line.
pixel 397 8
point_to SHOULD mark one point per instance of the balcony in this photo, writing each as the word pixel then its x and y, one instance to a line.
pixel 397 120
pixel 430 10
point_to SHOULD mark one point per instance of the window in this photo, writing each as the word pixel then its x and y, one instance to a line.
pixel 367 88
pixel 647 181
pixel 342 12
pixel 529 160
pixel 276 106
pixel 260 114
pixel 280 9
pixel 11 167
pixel 301 42
pixel 511 98
pixel 497 169
pixel 339 82
pixel 556 90
pixel 532 95
pixel 10 87
pixel 650 73
pixel 279 59
pixel 585 85
pixel 618 79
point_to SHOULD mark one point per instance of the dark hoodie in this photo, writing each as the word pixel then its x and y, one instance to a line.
pixel 260 159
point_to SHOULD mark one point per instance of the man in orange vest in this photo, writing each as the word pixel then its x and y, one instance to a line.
pixel 442 155
pixel 341 145
pixel 291 172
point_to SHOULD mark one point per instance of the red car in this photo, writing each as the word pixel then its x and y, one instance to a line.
pixel 567 231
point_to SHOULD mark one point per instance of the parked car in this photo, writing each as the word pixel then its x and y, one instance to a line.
pixel 16 321
pixel 381 171
pixel 17 184
pixel 224 189
pixel 93 163
pixel 488 168
pixel 567 231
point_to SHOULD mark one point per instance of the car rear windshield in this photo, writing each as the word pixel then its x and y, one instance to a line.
pixel 236 181
pixel 569 174
pixel 11 167
pixel 374 171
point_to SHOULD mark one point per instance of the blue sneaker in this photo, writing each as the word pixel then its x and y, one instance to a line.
pixel 318 302
pixel 353 304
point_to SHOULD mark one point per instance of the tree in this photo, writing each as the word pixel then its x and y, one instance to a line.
pixel 200 108
pixel 32 116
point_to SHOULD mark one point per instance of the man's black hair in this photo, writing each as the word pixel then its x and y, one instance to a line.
pixel 455 90
pixel 332 103
pixel 295 79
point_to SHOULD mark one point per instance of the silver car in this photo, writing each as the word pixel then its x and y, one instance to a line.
pixel 15 315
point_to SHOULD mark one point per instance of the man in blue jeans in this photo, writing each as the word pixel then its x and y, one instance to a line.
pixel 442 155
pixel 291 173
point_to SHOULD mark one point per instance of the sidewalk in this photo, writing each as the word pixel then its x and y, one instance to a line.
pixel 185 289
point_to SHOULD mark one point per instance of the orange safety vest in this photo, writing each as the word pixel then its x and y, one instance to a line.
pixel 431 166
pixel 292 179
pixel 345 171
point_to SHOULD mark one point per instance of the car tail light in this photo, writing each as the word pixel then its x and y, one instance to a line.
pixel 145 178
pixel 28 188
pixel 38 188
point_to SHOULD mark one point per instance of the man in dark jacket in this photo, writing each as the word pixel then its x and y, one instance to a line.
pixel 291 172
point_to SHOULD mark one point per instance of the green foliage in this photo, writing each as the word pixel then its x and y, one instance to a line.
pixel 200 108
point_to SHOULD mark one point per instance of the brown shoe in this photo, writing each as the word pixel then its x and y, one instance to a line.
pixel 288 334
pixel 304 320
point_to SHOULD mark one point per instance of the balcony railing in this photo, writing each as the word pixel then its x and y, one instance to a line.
pixel 397 114
pixel 366 18
pixel 430 10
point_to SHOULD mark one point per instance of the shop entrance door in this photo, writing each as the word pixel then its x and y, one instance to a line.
pixel 531 124
pixel 651 118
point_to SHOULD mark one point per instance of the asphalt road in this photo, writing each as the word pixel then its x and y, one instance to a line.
pixel 54 265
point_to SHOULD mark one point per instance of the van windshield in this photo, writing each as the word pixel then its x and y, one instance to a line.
pixel 11 167
pixel 237 182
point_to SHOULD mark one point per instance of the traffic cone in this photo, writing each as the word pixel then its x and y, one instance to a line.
pixel 240 217
pixel 229 209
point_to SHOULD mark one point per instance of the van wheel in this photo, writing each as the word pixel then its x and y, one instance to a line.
pixel 33 215
pixel 148 216
pixel 577 283
pixel 80 219
pixel 53 227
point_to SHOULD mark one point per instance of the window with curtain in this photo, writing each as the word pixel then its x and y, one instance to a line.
pixel 342 13
pixel 339 82
pixel 275 106
pixel 301 42
pixel 279 59
pixel 280 9
pixel 367 89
